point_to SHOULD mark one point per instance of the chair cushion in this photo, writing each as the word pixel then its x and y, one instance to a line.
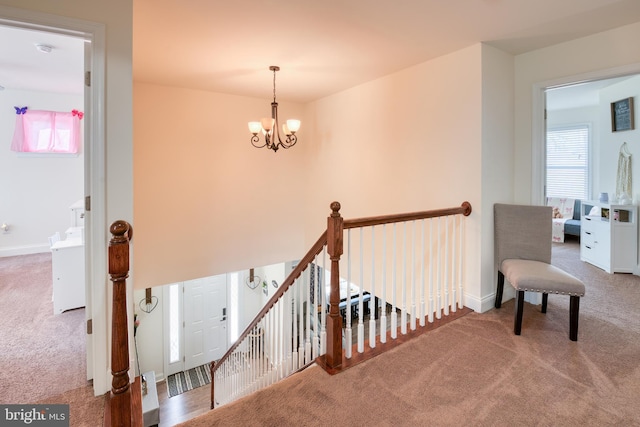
pixel 536 276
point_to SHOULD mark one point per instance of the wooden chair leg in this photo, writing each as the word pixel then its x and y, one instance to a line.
pixel 545 296
pixel 517 324
pixel 499 290
pixel 574 309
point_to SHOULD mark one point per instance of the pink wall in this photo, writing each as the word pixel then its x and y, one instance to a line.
pixel 205 200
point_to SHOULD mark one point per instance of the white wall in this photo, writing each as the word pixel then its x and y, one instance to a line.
pixel 407 142
pixel 607 54
pixel 37 190
pixel 497 169
pixel 611 142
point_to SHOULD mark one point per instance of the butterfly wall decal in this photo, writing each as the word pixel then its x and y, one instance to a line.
pixel 80 114
pixel 20 110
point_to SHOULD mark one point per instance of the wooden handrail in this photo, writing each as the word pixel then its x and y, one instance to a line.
pixel 121 411
pixel 464 209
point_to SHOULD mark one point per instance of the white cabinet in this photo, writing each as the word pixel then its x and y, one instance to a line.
pixel 609 236
pixel 77 213
pixel 67 260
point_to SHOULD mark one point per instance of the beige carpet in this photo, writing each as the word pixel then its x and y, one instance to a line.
pixel 42 356
pixel 474 371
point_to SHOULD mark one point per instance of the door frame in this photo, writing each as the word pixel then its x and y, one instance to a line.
pixel 172 368
pixel 94 172
pixel 538 122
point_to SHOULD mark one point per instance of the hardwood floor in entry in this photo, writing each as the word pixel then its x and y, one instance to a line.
pixel 183 407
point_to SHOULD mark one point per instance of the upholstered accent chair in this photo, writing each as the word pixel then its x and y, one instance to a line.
pixel 523 257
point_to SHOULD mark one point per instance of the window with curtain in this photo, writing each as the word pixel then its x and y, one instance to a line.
pixel 39 131
pixel 568 161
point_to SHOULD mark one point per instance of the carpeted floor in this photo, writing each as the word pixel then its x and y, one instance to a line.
pixel 42 355
pixel 474 371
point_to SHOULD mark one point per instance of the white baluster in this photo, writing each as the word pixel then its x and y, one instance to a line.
pixel 413 276
pixel 403 309
pixel 394 315
pixel 423 312
pixel 372 304
pixel 270 348
pixel 294 334
pixel 323 310
pixel 307 346
pixel 301 325
pixel 431 304
pixel 252 358
pixel 460 263
pixel 348 330
pixel 439 276
pixel 454 263
pixel 286 330
pixel 447 281
pixel 360 306
pixel 313 312
pixel 263 353
pixel 281 346
pixel 383 300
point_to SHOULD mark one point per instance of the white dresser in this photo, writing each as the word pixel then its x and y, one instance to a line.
pixel 67 260
pixel 609 236
pixel 67 264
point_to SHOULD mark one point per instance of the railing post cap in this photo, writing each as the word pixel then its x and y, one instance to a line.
pixel 335 208
pixel 467 208
pixel 119 228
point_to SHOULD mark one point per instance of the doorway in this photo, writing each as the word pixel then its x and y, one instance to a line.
pixel 539 123
pixel 93 40
pixel 196 319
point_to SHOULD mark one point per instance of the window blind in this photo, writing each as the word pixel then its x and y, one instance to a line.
pixel 568 162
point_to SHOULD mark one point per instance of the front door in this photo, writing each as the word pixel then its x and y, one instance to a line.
pixel 205 320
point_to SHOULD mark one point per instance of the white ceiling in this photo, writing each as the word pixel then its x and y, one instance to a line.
pixel 24 67
pixel 321 47
pixel 578 95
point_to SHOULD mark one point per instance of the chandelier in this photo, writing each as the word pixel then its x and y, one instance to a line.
pixel 269 126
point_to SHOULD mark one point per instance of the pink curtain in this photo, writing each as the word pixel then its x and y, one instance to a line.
pixel 46 131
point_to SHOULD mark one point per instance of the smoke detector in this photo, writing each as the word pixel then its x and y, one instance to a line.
pixel 44 48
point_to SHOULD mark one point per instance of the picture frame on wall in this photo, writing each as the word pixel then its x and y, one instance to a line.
pixel 622 115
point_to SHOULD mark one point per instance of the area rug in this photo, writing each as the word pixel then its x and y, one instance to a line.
pixel 188 380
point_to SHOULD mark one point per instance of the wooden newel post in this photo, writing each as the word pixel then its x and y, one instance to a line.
pixel 334 321
pixel 119 271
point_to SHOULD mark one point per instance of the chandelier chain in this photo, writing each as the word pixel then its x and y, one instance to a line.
pixel 274 85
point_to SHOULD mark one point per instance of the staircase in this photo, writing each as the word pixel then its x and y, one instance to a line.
pixel 402 274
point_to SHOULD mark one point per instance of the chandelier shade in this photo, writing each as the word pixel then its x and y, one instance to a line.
pixel 269 126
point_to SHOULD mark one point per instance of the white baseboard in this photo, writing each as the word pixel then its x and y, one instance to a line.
pixel 479 305
pixel 487 302
pixel 23 250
